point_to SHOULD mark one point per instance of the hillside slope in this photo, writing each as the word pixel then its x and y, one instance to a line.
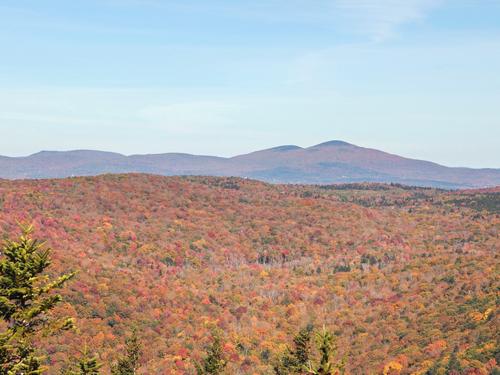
pixel 404 275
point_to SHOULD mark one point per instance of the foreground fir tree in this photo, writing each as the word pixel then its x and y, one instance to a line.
pixel 26 299
pixel 294 361
pixel 327 350
pixel 129 363
pixel 299 359
pixel 87 364
pixel 214 362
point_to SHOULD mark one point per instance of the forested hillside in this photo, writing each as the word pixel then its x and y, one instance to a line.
pixel 406 278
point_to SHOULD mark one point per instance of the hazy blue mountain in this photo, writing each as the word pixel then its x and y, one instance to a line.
pixel 329 162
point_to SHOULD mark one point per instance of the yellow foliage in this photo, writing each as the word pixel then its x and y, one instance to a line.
pixel 393 367
pixel 476 316
pixel 200 244
pixel 489 346
pixel 487 313
pixel 103 287
pixel 107 226
pixel 146 248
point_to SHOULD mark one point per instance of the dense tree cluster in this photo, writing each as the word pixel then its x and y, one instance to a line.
pixel 405 279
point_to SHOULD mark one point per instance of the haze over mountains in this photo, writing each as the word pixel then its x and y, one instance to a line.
pixel 325 163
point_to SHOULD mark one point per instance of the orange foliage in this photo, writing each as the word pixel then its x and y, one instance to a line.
pixel 390 269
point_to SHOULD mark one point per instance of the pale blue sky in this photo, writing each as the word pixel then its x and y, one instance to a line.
pixel 420 78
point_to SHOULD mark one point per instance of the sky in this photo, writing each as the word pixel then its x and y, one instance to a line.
pixel 418 78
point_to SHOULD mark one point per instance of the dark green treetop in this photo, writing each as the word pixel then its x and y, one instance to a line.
pixel 129 363
pixel 293 361
pixel 214 362
pixel 86 364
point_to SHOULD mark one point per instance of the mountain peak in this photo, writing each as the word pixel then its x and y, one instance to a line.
pixel 330 162
pixel 333 143
pixel 82 152
pixel 286 148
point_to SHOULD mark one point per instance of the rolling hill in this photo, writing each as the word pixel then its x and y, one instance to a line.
pixel 404 276
pixel 325 163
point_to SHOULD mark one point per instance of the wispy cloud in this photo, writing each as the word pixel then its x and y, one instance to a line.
pixel 380 19
pixel 377 19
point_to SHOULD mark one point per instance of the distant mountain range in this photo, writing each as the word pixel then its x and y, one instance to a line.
pixel 326 163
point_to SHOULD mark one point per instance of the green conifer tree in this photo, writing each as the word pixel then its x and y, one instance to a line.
pixel 214 362
pixel 327 350
pixel 26 299
pixel 87 364
pixel 293 361
pixel 129 363
pixel 302 343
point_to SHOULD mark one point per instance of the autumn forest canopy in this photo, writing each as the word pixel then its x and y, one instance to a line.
pixel 141 274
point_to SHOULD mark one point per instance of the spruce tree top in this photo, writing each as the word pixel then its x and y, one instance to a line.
pixel 25 293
